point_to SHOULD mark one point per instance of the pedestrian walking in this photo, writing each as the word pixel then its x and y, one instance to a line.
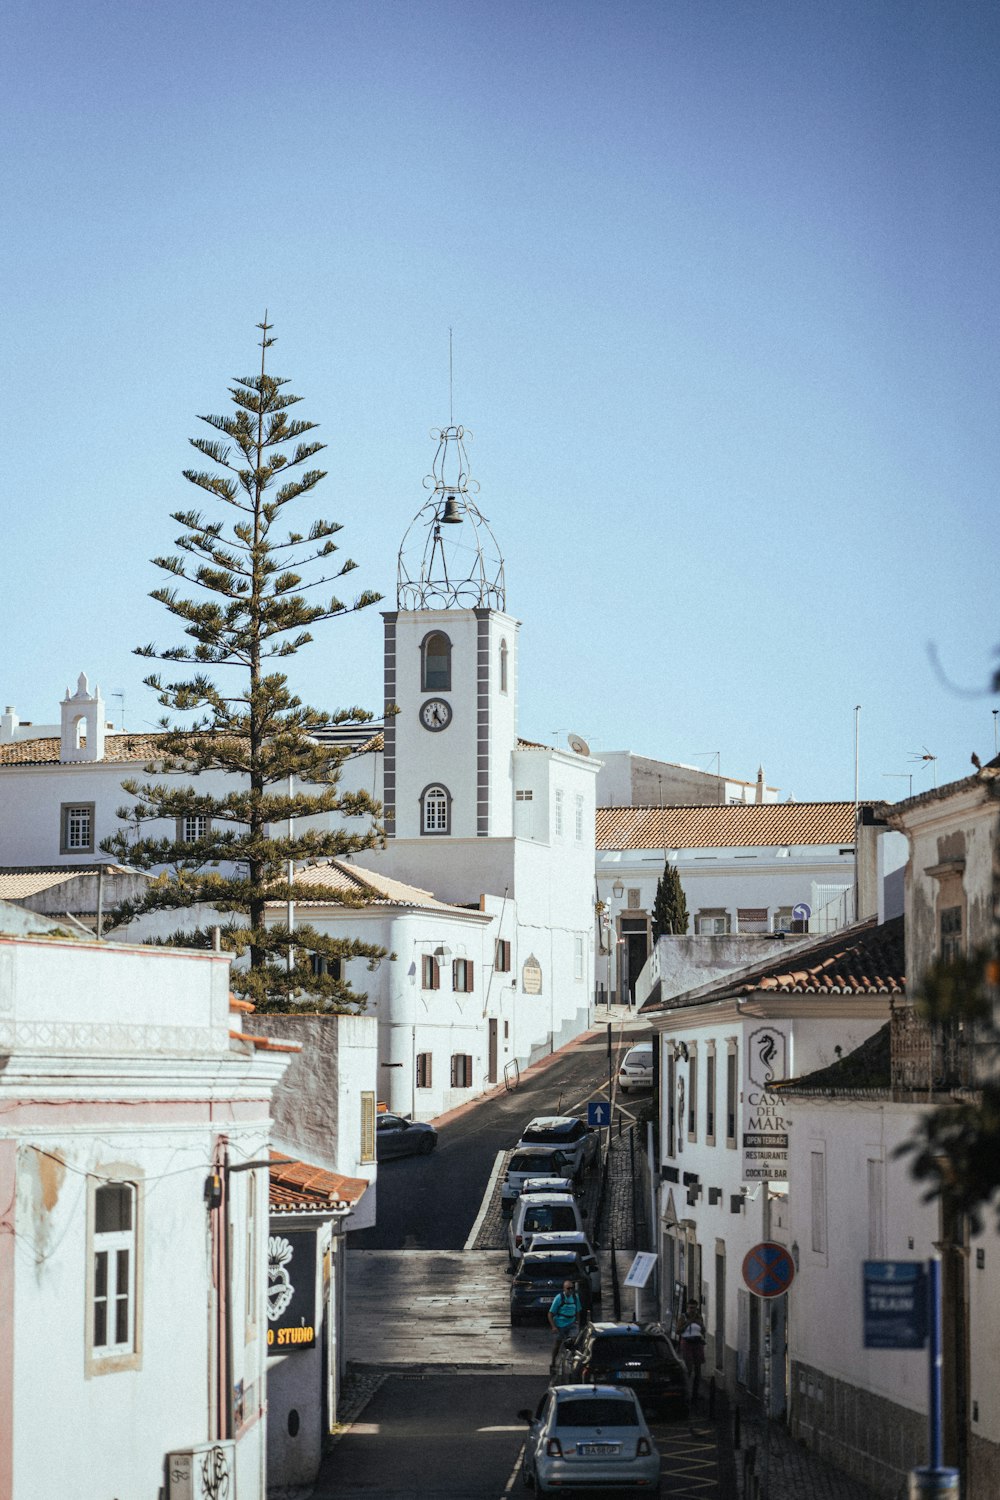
pixel 565 1313
pixel 692 1344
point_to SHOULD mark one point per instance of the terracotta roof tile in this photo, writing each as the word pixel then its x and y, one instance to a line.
pixel 18 881
pixel 737 824
pixel 369 887
pixel 297 1187
pixel 117 748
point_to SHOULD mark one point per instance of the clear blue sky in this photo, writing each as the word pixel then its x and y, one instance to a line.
pixel 723 283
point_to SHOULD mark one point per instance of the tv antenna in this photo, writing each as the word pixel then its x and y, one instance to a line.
pixel 926 758
pixel 903 776
pixel 122 697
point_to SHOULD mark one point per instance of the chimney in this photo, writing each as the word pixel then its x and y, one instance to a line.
pixel 9 723
pixel 759 796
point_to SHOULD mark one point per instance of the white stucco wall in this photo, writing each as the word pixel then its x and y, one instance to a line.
pixel 118 1065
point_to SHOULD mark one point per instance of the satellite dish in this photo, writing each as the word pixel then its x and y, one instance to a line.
pixel 579 745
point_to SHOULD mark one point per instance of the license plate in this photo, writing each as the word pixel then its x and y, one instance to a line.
pixel 597 1450
pixel 631 1374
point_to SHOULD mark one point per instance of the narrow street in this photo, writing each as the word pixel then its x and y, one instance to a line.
pixel 436 1371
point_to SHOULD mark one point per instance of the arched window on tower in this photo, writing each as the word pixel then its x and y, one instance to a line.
pixel 435 663
pixel 503 666
pixel 435 809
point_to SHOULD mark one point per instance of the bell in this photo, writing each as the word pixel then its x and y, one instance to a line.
pixel 451 515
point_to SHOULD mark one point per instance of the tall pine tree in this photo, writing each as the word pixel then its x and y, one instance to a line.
pixel 670 911
pixel 252 609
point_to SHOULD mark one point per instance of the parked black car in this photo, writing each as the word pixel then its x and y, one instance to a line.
pixel 537 1279
pixel 395 1136
pixel 640 1357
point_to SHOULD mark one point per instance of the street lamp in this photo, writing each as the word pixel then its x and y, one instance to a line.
pixel 618 890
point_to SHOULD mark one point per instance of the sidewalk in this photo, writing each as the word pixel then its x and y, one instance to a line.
pixel 795 1473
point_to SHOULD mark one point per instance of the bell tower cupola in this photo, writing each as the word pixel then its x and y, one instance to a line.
pixel 450 666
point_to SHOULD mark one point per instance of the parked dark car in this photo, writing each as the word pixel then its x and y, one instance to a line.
pixel 537 1279
pixel 639 1357
pixel 395 1136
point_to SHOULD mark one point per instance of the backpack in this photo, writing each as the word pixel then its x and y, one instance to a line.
pixel 561 1305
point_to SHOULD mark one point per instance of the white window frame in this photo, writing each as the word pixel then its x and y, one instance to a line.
pixel 76 828
pixel 817 1200
pixel 369 1115
pixel 462 976
pixel 435 810
pixel 578 956
pixel 503 666
pixel 557 812
pixel 184 835
pixel 108 1357
pixel 578 826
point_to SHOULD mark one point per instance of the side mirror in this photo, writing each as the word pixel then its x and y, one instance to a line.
pixel 524 1415
pixel 508 1270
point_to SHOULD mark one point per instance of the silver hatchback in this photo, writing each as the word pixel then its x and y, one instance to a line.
pixel 589 1437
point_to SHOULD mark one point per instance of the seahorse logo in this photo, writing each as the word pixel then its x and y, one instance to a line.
pixel 766 1056
pixel 767 1052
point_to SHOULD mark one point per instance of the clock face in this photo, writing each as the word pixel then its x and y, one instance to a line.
pixel 435 714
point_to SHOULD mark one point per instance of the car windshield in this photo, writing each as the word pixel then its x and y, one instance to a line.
pixel 559 1132
pixel 546 1271
pixel 521 1163
pixel 620 1349
pixel 596 1411
pixel 549 1216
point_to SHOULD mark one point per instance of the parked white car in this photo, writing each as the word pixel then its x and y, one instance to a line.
pixel 541 1213
pixel 636 1071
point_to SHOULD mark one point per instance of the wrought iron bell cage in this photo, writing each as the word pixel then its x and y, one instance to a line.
pixel 449 558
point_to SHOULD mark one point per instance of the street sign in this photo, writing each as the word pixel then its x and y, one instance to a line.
pixel 641 1268
pixel 895 1304
pixel 768 1269
pixel 599 1113
pixel 802 912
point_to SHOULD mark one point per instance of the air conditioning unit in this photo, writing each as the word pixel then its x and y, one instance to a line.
pixel 205 1472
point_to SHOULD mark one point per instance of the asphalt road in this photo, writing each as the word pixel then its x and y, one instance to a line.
pixel 431 1202
pixel 438 1435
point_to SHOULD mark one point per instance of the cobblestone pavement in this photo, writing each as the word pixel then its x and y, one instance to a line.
pixel 795 1473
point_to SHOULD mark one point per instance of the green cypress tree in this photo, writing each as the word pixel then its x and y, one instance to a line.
pixel 670 911
pixel 253 609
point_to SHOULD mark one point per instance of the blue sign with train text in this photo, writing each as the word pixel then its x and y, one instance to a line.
pixel 895 1304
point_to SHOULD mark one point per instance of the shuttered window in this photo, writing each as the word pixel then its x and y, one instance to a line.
pixel 367 1125
pixel 461 1070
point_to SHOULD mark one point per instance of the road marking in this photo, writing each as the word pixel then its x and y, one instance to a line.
pixel 487 1200
pixel 513 1473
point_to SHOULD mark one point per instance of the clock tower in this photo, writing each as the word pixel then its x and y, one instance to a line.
pixel 450 668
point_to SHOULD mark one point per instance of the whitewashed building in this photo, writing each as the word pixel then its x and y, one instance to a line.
pixel 134 1137
pixel 724 1131
pixel 852 1198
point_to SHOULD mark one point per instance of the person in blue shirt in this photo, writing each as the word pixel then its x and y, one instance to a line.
pixel 565 1313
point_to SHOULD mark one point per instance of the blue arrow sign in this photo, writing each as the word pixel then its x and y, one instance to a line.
pixel 598 1113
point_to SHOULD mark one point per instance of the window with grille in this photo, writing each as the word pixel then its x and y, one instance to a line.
pixel 114 1257
pixel 557 813
pixel 461 1070
pixel 461 975
pixel 430 973
pixel 77 828
pixel 951 933
pixel 578 826
pixel 751 919
pixel 818 1175
pixel 525 795
pixel 192 826
pixel 435 810
pixel 424 1071
pixel 367 1125
pixel 501 956
pixel 435 663
pixel 503 666
pixel 693 1095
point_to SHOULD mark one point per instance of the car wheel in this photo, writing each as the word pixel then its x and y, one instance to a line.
pixel 526 1478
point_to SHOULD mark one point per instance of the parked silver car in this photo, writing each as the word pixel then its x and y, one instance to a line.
pixel 589 1437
